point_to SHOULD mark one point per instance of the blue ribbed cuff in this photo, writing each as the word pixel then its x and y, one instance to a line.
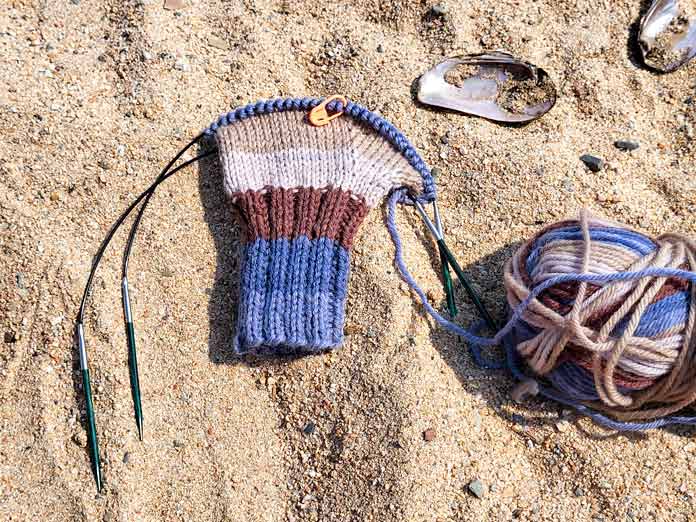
pixel 292 295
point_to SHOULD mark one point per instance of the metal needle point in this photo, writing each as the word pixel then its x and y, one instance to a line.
pixel 451 261
pixel 91 424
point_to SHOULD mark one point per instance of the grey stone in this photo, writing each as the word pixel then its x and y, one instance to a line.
pixel 438 10
pixel 593 163
pixel 626 145
pixel 477 488
pixel 309 428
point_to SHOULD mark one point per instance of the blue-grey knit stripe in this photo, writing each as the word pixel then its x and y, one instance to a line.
pixel 292 294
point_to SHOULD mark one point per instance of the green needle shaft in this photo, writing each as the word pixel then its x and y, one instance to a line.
pixel 469 289
pixel 132 359
pixel 91 424
pixel 447 279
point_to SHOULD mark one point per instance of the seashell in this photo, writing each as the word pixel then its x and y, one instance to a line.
pixel 667 35
pixel 493 85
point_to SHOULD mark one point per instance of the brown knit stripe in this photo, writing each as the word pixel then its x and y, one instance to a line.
pixel 276 213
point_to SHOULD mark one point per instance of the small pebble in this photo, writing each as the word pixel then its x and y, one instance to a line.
pixel 104 164
pixel 126 457
pixel 380 48
pixel 178 443
pixel 593 163
pixel 429 435
pixel 55 196
pixel 351 329
pixel 518 419
pixel 477 488
pixel 174 5
pixel 579 492
pixel 218 43
pixel 562 426
pixel 80 438
pixel 438 10
pixel 626 145
pixel 309 428
pixel 444 139
pixel 436 172
pixel 181 65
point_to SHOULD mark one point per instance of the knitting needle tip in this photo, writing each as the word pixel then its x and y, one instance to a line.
pixel 91 423
pixel 132 358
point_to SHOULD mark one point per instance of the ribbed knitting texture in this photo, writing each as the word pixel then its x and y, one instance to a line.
pixel 302 192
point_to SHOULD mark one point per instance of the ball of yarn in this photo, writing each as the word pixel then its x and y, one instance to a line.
pixel 624 347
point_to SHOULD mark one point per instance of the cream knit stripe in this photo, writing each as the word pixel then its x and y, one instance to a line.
pixel 283 150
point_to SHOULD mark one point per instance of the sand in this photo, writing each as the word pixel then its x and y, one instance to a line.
pixel 95 99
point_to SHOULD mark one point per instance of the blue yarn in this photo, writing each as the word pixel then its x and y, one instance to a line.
pixel 660 316
pixel 292 294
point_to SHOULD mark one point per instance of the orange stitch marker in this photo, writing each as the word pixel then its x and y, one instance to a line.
pixel 319 116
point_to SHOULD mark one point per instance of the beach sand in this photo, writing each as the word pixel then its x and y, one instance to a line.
pixel 95 99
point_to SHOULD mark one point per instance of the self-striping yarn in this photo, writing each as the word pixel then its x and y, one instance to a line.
pixel 602 319
pixel 626 348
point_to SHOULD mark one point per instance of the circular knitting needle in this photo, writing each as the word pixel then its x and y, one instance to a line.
pixel 437 234
pixel 79 327
pixel 444 264
pixel 127 315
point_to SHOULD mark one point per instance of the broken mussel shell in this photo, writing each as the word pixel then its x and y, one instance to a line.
pixel 493 85
pixel 667 35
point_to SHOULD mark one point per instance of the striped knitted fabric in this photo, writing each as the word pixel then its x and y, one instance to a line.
pixel 302 192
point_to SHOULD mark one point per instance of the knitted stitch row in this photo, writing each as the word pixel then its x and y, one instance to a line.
pixel 302 192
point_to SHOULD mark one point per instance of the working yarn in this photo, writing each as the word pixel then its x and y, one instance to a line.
pixel 626 348
pixel 302 191
pixel 602 319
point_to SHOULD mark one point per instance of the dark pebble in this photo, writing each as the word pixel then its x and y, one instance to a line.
pixel 626 145
pixel 518 419
pixel 309 428
pixel 436 171
pixel 444 139
pixel 593 163
pixel 10 337
pixel 380 48
pixel 126 457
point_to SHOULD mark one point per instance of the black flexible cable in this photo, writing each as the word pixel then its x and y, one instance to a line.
pixel 139 217
pixel 121 219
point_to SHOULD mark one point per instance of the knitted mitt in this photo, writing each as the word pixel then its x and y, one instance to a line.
pixel 302 191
